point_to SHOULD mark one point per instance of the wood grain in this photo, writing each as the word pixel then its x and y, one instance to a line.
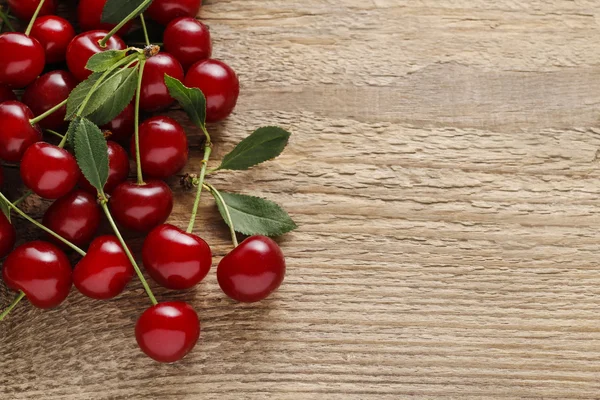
pixel 444 172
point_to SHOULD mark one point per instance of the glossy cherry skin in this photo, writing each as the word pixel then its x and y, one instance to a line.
pixel 123 126
pixel 8 236
pixel 75 217
pixel 42 271
pixel 141 207
pixel 118 169
pixel 46 92
pixel 54 34
pixel 89 16
pixel 48 170
pixel 105 271
pixel 188 40
pixel 163 147
pixel 85 45
pixel 220 86
pixel 155 95
pixel 253 270
pixel 6 94
pixel 16 133
pixel 24 9
pixel 22 60
pixel 167 332
pixel 164 11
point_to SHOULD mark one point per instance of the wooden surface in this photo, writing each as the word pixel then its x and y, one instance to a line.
pixel 444 173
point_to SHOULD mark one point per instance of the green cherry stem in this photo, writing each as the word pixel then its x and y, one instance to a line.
pixel 229 221
pixel 12 305
pixel 22 198
pixel 146 37
pixel 128 18
pixel 138 161
pixel 207 151
pixel 55 133
pixel 48 113
pixel 6 20
pixel 34 17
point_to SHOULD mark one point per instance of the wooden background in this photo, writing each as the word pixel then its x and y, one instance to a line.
pixel 445 174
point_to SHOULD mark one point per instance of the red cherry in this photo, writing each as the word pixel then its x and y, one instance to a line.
pixel 89 15
pixel 41 270
pixel 6 94
pixel 167 332
pixel 48 170
pixel 54 34
pixel 164 11
pixel 123 126
pixel 188 40
pixel 8 236
pixel 141 207
pixel 85 45
pixel 22 59
pixel 253 270
pixel 105 270
pixel 176 259
pixel 155 95
pixel 220 86
pixel 75 217
pixel 46 92
pixel 163 147
pixel 24 9
pixel 16 133
pixel 118 170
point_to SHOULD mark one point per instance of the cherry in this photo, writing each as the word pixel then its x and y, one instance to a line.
pixel 164 11
pixel 188 40
pixel 123 126
pixel 46 92
pixel 141 207
pixel 219 84
pixel 167 332
pixel 24 9
pixel 85 45
pixel 118 169
pixel 6 94
pixel 8 236
pixel 41 270
pixel 54 34
pixel 163 147
pixel 75 217
pixel 16 133
pixel 155 94
pixel 105 270
pixel 176 259
pixel 253 270
pixel 89 15
pixel 48 170
pixel 22 59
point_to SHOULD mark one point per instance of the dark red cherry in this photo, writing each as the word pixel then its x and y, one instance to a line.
pixel 54 34
pixel 16 133
pixel 141 207
pixel 89 15
pixel 167 332
pixel 220 86
pixel 22 59
pixel 163 147
pixel 6 94
pixel 41 270
pixel 123 126
pixel 164 11
pixel 8 236
pixel 188 40
pixel 105 270
pixel 46 92
pixel 48 170
pixel 85 45
pixel 24 9
pixel 75 217
pixel 176 259
pixel 118 169
pixel 155 95
pixel 253 270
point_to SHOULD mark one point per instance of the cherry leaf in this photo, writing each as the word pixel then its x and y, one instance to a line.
pixel 262 145
pixel 91 152
pixel 102 61
pixel 119 99
pixel 117 10
pixel 100 95
pixel 192 100
pixel 5 208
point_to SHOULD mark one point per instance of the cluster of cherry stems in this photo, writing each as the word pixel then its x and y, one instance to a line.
pixel 174 258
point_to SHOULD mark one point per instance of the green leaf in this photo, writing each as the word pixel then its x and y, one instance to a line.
pixel 255 216
pixel 119 99
pixel 262 145
pixel 102 61
pixel 192 100
pixel 117 10
pixel 71 131
pixel 5 208
pixel 100 95
pixel 91 151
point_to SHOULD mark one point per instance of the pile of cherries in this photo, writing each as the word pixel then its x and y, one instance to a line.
pixel 48 61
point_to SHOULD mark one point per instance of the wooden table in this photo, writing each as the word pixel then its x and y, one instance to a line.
pixel 444 173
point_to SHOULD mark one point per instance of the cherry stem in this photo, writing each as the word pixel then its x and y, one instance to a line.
pixel 129 255
pixel 229 221
pixel 34 17
pixel 143 21
pixel 6 20
pixel 138 161
pixel 55 133
pixel 22 198
pixel 48 113
pixel 207 151
pixel 12 305
pixel 121 24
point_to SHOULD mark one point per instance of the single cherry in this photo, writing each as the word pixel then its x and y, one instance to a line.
pixel 167 332
pixel 41 270
pixel 89 15
pixel 24 9
pixel 123 126
pixel 8 236
pixel 188 40
pixel 163 147
pixel 164 11
pixel 7 94
pixel 118 169
pixel 141 207
pixel 54 34
pixel 85 45
pixel 48 170
pixel 48 91
pixel 16 133
pixel 155 94
pixel 253 270
pixel 176 259
pixel 75 217
pixel 22 59
pixel 105 270
pixel 220 86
